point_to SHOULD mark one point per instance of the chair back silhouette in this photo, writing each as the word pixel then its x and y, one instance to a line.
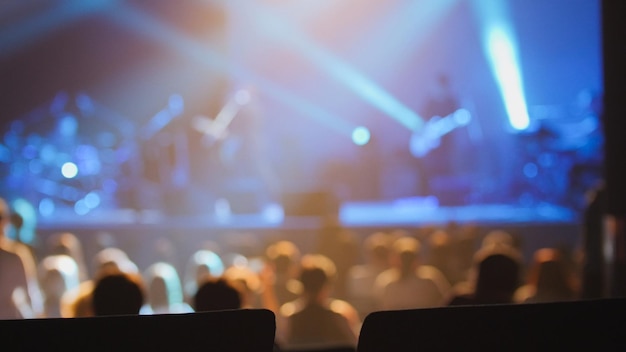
pixel 330 349
pixel 234 330
pixel 593 325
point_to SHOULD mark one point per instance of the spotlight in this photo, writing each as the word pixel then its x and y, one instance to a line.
pixel 69 170
pixel 501 50
pixel 342 71
pixel 504 63
pixel 361 136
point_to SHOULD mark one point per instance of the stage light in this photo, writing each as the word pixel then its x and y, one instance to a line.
pixel 69 170
pixel 531 170
pixel 500 46
pixel 47 153
pixel 361 136
pixel 29 220
pixel 340 70
pixel 5 154
pixel 85 104
pixel 399 33
pixel 68 126
pixel 274 213
pixel 506 68
pixel 80 208
pixel 146 25
pixel 222 210
pixel 30 151
pixel 35 166
pixel 46 207
pixel 92 200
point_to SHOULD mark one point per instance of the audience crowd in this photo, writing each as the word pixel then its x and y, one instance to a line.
pixel 319 298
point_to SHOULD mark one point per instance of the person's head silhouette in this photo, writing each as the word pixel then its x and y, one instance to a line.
pixel 118 294
pixel 216 294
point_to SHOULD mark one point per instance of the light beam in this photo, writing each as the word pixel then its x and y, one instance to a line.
pixel 501 51
pixel 341 71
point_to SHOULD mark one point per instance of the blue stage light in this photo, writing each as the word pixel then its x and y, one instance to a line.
pixel 338 69
pixel 80 208
pixel 499 43
pixel 69 170
pixel 506 68
pixel 404 28
pixel 85 104
pixel 92 200
pixel 531 170
pixel 29 219
pixel 361 136
pixel 35 166
pixel 48 154
pixel 146 25
pixel 68 126
pixel 46 207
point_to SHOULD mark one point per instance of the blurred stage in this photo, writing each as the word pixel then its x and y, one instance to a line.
pixel 116 108
pixel 150 236
pixel 400 214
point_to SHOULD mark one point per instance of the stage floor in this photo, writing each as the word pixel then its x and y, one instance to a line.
pixel 401 213
pixel 141 233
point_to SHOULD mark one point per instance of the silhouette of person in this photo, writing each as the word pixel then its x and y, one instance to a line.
pixel 284 257
pixel 315 320
pixel 16 279
pixel 549 279
pixel 243 148
pixel 498 270
pixel 362 278
pixel 165 293
pixel 58 274
pixel 118 294
pixel 443 102
pixel 78 302
pixel 203 264
pixel 217 294
pixel 435 155
pixel 410 284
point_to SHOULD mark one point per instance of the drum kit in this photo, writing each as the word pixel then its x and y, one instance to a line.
pixel 74 153
pixel 564 153
pixel 66 154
